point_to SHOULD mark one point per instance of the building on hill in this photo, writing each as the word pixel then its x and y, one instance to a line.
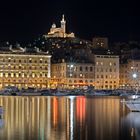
pixel 59 32
pixel 100 42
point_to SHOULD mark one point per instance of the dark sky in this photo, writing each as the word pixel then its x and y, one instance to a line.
pixel 25 20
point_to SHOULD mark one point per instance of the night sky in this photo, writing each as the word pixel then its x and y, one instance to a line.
pixel 24 20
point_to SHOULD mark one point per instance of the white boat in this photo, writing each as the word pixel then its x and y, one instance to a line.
pixel 133 104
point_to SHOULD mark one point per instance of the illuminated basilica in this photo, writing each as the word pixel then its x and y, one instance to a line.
pixel 59 32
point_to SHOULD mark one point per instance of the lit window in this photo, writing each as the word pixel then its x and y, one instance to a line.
pixel 1 74
pixel 33 75
pixel 41 60
pixel 6 74
pixel 12 74
pixel 22 74
pixel 9 59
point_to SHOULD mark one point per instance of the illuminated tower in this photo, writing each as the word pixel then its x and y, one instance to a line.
pixel 63 24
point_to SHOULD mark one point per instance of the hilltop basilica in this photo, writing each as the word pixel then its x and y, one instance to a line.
pixel 59 32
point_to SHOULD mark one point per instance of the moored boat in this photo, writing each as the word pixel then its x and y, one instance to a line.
pixel 133 104
pixel 29 92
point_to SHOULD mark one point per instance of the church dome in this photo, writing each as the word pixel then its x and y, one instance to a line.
pixel 54 25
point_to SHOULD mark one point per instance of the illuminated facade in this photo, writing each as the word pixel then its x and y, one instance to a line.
pixel 59 32
pixel 130 74
pixel 106 71
pixel 72 75
pixel 24 70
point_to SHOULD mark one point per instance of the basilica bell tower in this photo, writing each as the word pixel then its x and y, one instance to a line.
pixel 63 24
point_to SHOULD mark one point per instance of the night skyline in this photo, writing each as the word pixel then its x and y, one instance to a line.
pixel 23 21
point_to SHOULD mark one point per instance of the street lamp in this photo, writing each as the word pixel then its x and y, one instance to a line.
pixel 135 76
pixel 71 67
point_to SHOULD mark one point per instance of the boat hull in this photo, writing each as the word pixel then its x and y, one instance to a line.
pixel 133 105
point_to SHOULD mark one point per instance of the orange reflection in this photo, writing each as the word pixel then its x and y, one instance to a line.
pixel 55 111
pixel 80 107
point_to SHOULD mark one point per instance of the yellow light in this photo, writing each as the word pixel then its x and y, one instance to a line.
pixel 1 74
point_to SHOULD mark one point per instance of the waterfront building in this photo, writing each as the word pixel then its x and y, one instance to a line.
pixel 72 75
pixel 106 71
pixel 59 32
pixel 100 42
pixel 130 74
pixel 24 69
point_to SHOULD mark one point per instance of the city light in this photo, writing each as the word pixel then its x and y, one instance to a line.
pixel 134 75
pixel 71 65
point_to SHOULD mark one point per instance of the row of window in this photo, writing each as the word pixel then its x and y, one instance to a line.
pixel 105 70
pixel 80 81
pixel 75 68
pixel 25 81
pixel 132 67
pixel 24 60
pixel 33 75
pixel 110 63
pixel 81 75
pixel 106 76
pixel 107 82
pixel 86 68
pixel 24 67
pixel 123 76
pixel 107 87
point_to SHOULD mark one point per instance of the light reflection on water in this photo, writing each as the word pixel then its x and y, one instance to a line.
pixel 66 118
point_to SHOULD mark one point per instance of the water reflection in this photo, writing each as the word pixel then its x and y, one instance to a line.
pixel 131 122
pixel 63 118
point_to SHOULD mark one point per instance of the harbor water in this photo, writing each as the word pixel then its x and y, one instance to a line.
pixel 67 118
